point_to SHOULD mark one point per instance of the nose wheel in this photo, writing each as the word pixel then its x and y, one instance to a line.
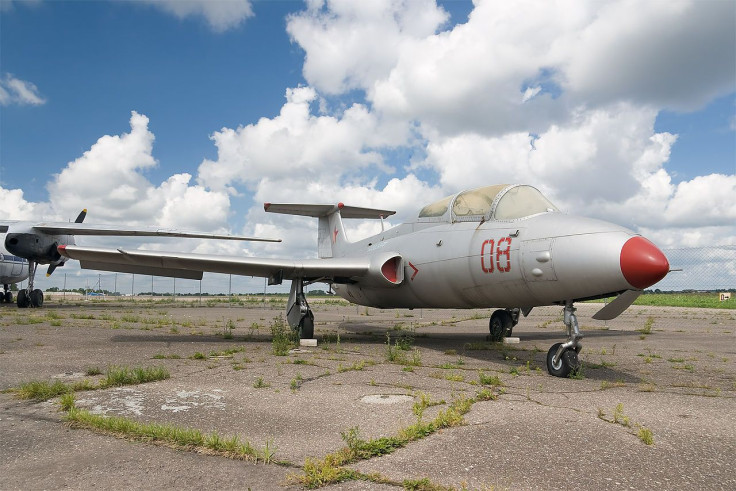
pixel 562 358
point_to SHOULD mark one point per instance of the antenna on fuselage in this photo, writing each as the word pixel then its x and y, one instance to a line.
pixel 383 229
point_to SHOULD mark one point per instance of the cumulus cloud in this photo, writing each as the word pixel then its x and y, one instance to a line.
pixel 221 15
pixel 297 145
pixel 109 180
pixel 561 94
pixel 675 54
pixel 352 44
pixel 19 92
pixel 476 76
pixel 15 207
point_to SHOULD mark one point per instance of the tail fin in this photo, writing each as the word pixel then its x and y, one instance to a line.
pixel 331 233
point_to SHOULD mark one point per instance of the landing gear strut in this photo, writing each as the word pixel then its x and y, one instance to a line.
pixel 7 295
pixel 298 313
pixel 502 323
pixel 29 297
pixel 562 358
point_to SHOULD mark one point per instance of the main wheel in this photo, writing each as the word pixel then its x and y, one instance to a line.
pixel 36 298
pixel 23 300
pixel 306 327
pixel 567 363
pixel 8 297
pixel 500 325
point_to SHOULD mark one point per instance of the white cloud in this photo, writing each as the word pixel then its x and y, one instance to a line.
pixel 15 207
pixel 296 145
pixel 108 180
pixel 221 15
pixel 675 54
pixel 20 92
pixel 352 44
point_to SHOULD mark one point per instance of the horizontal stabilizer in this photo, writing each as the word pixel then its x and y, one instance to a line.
pixel 617 306
pixel 317 211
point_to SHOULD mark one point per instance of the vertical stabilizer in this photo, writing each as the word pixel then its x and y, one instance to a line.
pixel 331 239
pixel 331 234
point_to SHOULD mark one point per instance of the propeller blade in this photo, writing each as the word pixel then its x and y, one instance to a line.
pixel 80 217
pixel 51 269
pixel 619 304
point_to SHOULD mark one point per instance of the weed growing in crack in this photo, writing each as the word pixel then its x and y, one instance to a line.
pixel 283 338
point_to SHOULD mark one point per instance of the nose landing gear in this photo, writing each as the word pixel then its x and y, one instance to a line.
pixel 562 358
pixel 29 297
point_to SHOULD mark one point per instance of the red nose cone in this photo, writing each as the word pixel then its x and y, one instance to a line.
pixel 642 263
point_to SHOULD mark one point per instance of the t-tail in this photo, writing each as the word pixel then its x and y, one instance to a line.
pixel 331 239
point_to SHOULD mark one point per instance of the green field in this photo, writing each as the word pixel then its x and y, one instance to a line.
pixel 699 300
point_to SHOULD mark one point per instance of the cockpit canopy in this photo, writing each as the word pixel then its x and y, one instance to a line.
pixel 503 202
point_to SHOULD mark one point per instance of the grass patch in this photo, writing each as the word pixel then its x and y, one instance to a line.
pixel 647 329
pixel 491 380
pixel 260 384
pixel 695 300
pixel 645 435
pixel 331 470
pixel 39 391
pixel 119 376
pixel 174 436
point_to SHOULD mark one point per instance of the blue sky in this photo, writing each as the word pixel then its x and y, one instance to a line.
pixel 191 114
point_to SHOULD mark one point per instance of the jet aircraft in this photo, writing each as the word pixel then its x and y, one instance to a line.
pixel 36 243
pixel 504 246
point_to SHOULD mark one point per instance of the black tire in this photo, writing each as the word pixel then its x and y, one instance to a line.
pixel 8 297
pixel 36 298
pixel 567 364
pixel 23 300
pixel 306 328
pixel 500 325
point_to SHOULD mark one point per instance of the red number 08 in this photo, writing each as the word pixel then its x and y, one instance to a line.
pixel 487 253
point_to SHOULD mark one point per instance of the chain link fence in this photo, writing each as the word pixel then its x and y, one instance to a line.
pixel 700 269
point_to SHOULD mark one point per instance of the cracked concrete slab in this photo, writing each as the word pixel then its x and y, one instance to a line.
pixel 678 381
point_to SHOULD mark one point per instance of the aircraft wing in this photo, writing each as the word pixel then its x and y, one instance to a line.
pixel 63 228
pixel 190 265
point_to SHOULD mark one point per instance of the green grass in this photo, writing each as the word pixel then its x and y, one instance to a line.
pixel 38 391
pixel 283 338
pixel 330 470
pixel 696 300
pixel 118 376
pixel 645 435
pixel 175 436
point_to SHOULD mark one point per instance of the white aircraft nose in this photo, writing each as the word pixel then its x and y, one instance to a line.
pixel 642 263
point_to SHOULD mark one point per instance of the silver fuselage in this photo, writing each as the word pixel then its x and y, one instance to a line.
pixel 539 260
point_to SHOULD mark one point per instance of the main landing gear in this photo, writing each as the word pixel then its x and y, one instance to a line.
pixel 502 323
pixel 298 313
pixel 7 295
pixel 562 358
pixel 28 297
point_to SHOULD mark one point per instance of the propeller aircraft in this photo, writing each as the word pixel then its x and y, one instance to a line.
pixel 37 243
pixel 503 246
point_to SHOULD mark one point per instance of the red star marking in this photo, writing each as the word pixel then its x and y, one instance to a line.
pixel 334 236
pixel 415 271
